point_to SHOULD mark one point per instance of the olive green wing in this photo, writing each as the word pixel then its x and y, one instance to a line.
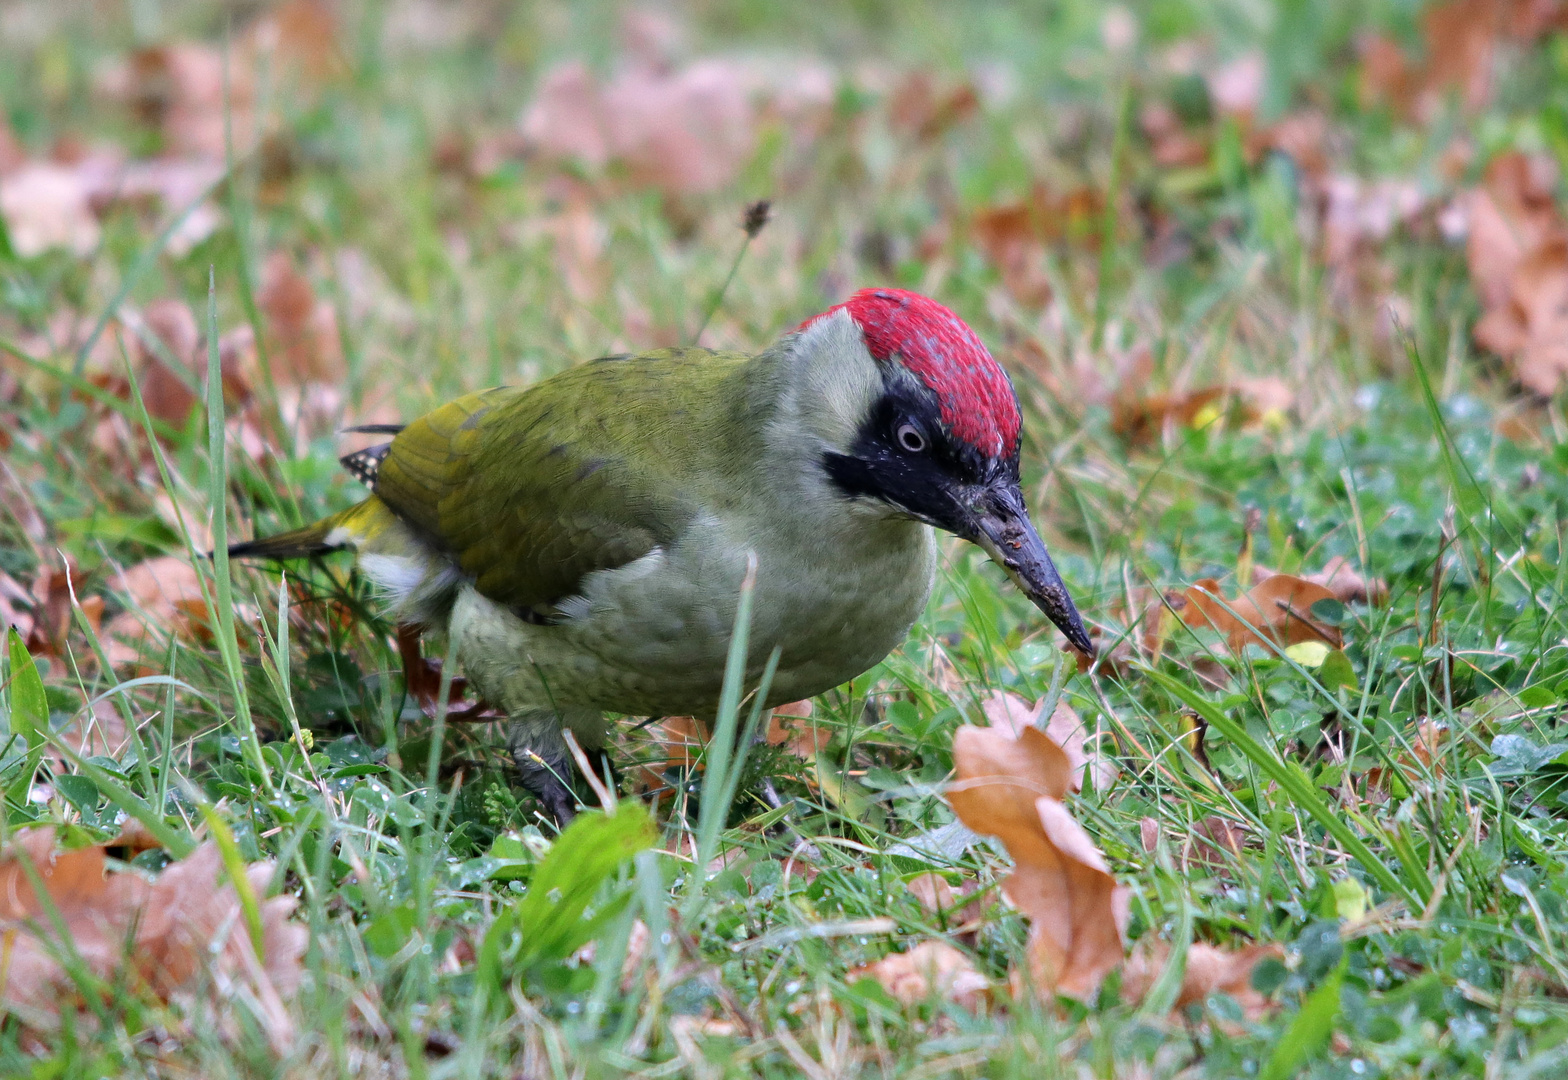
pixel 529 490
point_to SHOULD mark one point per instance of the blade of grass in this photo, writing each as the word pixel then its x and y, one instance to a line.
pixel 221 604
pixel 1162 996
pixel 721 748
pixel 1294 783
pixel 29 711
pixel 1308 1032
pixel 234 864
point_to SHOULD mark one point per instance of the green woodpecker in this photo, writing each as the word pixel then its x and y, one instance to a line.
pixel 580 544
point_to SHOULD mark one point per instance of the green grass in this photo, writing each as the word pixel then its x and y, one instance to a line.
pixel 445 941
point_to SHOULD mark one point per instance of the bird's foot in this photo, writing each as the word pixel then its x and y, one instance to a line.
pixel 546 779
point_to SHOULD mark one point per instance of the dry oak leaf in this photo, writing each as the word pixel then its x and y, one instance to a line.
pixel 678 738
pixel 1517 249
pixel 916 105
pixel 166 931
pixel 790 727
pixel 1275 612
pixel 1015 236
pixel 1423 760
pixel 46 205
pixel 302 332
pixel 52 619
pixel 931 969
pixel 1348 585
pixel 165 598
pixel 1251 401
pixel 1171 145
pixel 933 892
pixel 1461 39
pixel 1210 970
pixel 1214 843
pixel 684 131
pixel 958 907
pixel 1012 713
pixel 1009 785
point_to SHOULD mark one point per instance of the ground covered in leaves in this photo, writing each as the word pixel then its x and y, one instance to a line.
pixel 1284 289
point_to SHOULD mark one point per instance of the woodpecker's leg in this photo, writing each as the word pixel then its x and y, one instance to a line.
pixel 534 739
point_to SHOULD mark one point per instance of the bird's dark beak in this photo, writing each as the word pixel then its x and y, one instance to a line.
pixel 1002 527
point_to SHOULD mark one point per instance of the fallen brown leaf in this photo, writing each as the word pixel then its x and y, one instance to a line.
pixel 199 98
pixel 1360 213
pixel 47 205
pixel 1012 713
pixel 1349 585
pixel 302 331
pixel 165 600
pixel 684 130
pixel 1143 419
pixel 1424 759
pixel 1215 843
pixel 930 969
pixel 920 107
pixel 1517 249
pixel 791 727
pixel 677 739
pixel 1210 970
pixel 1009 785
pixel 933 892
pixel 1275 612
pixel 51 608
pixel 1461 39
pixel 1171 144
pixel 1016 236
pixel 1149 833
pixel 165 931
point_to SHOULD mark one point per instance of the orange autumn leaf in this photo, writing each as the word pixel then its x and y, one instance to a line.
pixel 1275 612
pixel 1210 970
pixel 1517 250
pixel 1461 40
pixel 1422 761
pixel 1009 785
pixel 919 107
pixel 1348 585
pixel 48 205
pixel 791 727
pixel 685 130
pixel 930 969
pixel 164 932
pixel 165 600
pixel 1249 401
pixel 52 619
pixel 1065 728
pixel 1015 236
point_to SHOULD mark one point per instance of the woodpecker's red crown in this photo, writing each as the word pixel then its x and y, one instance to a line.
pixel 977 402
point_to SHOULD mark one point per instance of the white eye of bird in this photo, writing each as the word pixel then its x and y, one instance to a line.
pixel 910 438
